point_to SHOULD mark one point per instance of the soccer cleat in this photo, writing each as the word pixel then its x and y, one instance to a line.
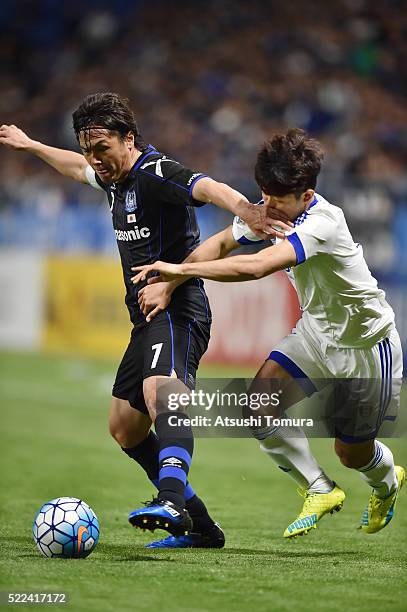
pixel 316 505
pixel 162 514
pixel 379 512
pixel 213 538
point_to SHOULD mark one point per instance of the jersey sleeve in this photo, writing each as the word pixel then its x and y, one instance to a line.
pixel 314 235
pixel 173 182
pixel 242 232
pixel 92 178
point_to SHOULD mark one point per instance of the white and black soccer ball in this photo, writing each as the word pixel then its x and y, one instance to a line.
pixel 66 527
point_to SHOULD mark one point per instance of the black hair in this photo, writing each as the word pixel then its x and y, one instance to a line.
pixel 107 111
pixel 288 163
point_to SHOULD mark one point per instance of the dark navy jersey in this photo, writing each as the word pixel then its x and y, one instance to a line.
pixel 154 218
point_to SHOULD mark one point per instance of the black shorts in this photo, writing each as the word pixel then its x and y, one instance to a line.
pixel 168 344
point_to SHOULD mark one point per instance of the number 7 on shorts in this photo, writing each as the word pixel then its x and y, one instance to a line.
pixel 157 350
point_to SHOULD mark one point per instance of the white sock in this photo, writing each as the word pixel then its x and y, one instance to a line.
pixel 288 447
pixel 379 472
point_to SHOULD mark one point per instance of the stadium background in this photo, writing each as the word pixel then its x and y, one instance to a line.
pixel 206 88
pixel 208 81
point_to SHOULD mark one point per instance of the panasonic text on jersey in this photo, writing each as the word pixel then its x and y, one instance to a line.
pixel 134 234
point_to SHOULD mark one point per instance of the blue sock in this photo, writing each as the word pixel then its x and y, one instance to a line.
pixel 146 455
pixel 174 459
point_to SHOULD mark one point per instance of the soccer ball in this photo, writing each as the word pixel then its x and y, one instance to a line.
pixel 66 527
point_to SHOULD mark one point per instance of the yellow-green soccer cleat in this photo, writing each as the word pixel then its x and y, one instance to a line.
pixel 316 505
pixel 379 512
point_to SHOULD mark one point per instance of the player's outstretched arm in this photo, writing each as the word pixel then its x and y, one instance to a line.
pixel 68 163
pixel 265 221
pixel 156 296
pixel 231 269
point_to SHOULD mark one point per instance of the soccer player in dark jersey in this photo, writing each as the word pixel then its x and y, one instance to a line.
pixel 152 199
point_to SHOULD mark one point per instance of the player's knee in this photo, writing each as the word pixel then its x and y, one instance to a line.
pixel 347 460
pixel 125 436
pixel 163 394
pixel 344 453
pixel 354 456
pixel 151 399
pixel 117 431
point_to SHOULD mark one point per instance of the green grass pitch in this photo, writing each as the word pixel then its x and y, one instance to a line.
pixel 54 442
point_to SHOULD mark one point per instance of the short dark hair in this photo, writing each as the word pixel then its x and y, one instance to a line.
pixel 108 111
pixel 288 163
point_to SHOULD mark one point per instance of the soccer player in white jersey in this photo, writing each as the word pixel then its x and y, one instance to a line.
pixel 346 331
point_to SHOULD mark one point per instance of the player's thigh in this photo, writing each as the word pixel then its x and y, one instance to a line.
pixel 127 425
pixel 128 384
pixel 366 398
pixel 160 393
pixel 173 347
pixel 272 378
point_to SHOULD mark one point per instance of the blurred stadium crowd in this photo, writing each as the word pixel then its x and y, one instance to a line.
pixel 209 81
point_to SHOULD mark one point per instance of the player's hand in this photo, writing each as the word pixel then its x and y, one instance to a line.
pixel 266 221
pixel 13 137
pixel 154 298
pixel 166 272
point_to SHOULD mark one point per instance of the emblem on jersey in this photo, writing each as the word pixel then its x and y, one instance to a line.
pixel 131 218
pixel 131 202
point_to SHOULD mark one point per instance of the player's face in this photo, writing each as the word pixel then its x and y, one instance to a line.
pixel 109 155
pixel 290 204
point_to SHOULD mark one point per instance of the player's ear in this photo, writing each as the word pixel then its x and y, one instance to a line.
pixel 308 195
pixel 130 140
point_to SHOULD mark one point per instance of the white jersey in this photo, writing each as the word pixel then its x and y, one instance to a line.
pixel 340 300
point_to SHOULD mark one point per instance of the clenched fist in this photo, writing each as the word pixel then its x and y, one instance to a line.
pixel 13 137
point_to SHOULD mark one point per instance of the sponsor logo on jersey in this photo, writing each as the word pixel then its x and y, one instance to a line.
pixel 193 177
pixel 138 233
pixel 131 202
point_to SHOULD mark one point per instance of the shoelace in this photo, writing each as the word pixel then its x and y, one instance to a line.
pixel 151 502
pixel 374 503
pixel 308 497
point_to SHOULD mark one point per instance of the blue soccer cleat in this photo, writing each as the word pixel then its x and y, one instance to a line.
pixel 213 538
pixel 162 514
